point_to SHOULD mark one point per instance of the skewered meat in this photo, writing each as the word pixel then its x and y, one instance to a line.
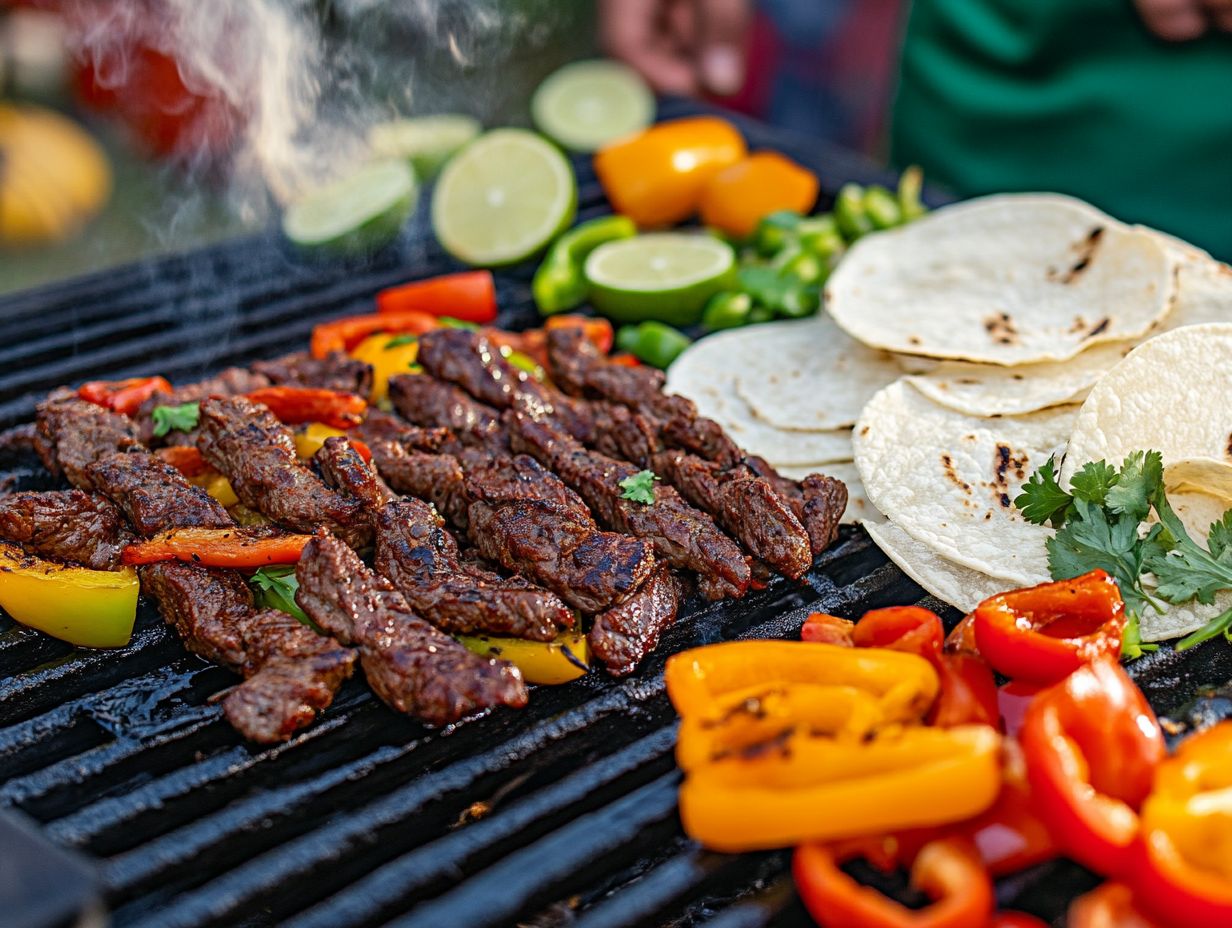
pixel 412 666
pixel 68 525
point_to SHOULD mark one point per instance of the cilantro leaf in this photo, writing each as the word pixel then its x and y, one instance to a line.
pixel 275 588
pixel 639 487
pixel 399 340
pixel 1093 482
pixel 1042 499
pixel 1142 476
pixel 1187 571
pixel 1220 625
pixel 1219 539
pixel 181 418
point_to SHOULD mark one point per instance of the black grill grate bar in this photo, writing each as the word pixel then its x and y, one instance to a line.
pixel 656 890
pixel 378 895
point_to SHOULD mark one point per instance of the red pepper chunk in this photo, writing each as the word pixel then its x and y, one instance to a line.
pixel 469 296
pixel 1092 745
pixel 296 405
pixel 1017 920
pixel 966 694
pixel 345 334
pixel 901 628
pixel 122 396
pixel 829 629
pixel 949 871
pixel 184 458
pixel 1046 632
pixel 1111 906
pixel 598 332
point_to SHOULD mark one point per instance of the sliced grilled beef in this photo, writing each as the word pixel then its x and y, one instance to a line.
pixel 70 526
pixel 73 434
pixel 437 478
pixel 427 401
pixel 420 557
pixel 682 536
pixel 412 666
pixel 256 452
pixel 624 634
pixel 343 468
pixel 468 359
pixel 230 382
pixel 382 426
pixel 335 371
pixel 291 673
pixel 154 495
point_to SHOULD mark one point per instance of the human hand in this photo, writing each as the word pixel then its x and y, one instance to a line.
pixel 1183 20
pixel 679 46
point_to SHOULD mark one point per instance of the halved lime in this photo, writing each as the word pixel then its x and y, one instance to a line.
pixel 503 198
pixel 667 276
pixel 586 104
pixel 360 212
pixel 427 142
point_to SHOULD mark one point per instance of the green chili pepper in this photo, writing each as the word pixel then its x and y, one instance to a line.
pixel 910 186
pixel 802 265
pixel 882 207
pixel 652 342
pixel 523 362
pixel 759 314
pixel 819 235
pixel 775 232
pixel 560 283
pixel 849 213
pixel 799 302
pixel 727 310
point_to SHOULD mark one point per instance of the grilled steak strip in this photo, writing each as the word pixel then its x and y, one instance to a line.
pixel 469 360
pixel 427 401
pixel 414 551
pixel 682 536
pixel 342 468
pixel 256 452
pixel 383 426
pixel 335 371
pixel 291 673
pixel 154 495
pixel 624 634
pixel 73 434
pixel 229 382
pixel 412 666
pixel 437 478
pixel 68 525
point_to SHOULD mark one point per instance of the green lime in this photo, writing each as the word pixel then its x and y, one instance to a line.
pixel 503 198
pixel 667 276
pixel 427 142
pixel 360 212
pixel 586 104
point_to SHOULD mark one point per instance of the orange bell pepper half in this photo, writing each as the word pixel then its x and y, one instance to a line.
pixel 217 547
pixel 345 334
pixel 297 405
pixel 123 396
pixel 738 197
pixel 468 295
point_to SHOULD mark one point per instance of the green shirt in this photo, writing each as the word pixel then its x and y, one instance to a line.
pixel 1073 96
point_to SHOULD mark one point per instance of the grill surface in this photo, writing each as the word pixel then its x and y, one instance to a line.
pixel 561 814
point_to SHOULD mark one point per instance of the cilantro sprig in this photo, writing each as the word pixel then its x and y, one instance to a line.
pixel 639 487
pixel 1101 522
pixel 182 418
pixel 275 588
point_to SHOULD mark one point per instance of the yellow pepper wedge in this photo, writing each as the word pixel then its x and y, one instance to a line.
pixel 389 355
pixel 310 438
pixel 90 608
pixel 561 660
pixel 218 486
pixel 804 788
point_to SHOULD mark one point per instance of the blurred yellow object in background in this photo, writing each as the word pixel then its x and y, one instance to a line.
pixel 54 178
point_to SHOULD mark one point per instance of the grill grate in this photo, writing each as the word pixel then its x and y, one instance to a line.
pixel 561 814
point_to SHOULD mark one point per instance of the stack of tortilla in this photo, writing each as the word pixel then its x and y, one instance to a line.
pixel 978 342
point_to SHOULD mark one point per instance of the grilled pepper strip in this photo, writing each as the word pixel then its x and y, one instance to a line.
pixel 948 871
pixel 186 459
pixel 559 283
pixel 388 356
pixel 217 547
pixel 468 295
pixel 90 608
pixel 561 660
pixel 345 334
pixel 1092 744
pixel 122 396
pixel 1044 633
pixel 828 629
pixel 1181 868
pixel 296 405
pixel 805 788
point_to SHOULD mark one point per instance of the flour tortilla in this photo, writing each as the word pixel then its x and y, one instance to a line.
pixel 1170 394
pixel 859 509
pixel 807 375
pixel 1010 279
pixel 949 480
pixel 1177 621
pixel 1203 292
pixel 961 587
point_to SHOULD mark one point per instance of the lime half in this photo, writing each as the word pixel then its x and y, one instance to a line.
pixel 667 276
pixel 360 212
pixel 427 142
pixel 586 104
pixel 503 198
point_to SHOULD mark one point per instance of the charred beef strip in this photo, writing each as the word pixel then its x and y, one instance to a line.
pixel 382 426
pixel 624 634
pixel 154 495
pixel 682 536
pixel 73 434
pixel 342 468
pixel 335 371
pixel 427 401
pixel 68 525
pixel 229 382
pixel 421 558
pixel 469 360
pixel 412 666
pixel 256 452
pixel 437 478
pixel 291 673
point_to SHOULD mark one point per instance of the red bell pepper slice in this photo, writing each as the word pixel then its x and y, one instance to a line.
pixel 1012 701
pixel 296 405
pixel 122 396
pixel 345 334
pixel 829 629
pixel 949 871
pixel 1092 744
pixel 469 296
pixel 961 638
pixel 624 359
pixel 186 459
pixel 1111 905
pixel 1016 920
pixel 966 693
pixel 217 547
pixel 901 628
pixel 1046 632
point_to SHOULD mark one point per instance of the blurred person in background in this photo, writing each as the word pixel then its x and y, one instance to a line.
pixel 1126 104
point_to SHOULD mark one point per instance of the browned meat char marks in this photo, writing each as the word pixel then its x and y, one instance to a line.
pixel 624 634
pixel 825 499
pixel 503 480
pixel 437 478
pixel 469 360
pixel 335 371
pixel 411 665
pixel 154 495
pixel 579 369
pixel 414 551
pixel 256 452
pixel 682 536
pixel 69 525
pixel 343 468
pixel 382 426
pixel 229 382
pixel 427 401
pixel 74 434
pixel 291 672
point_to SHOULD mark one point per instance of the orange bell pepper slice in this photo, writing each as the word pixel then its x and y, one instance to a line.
pixel 738 197
pixel 186 459
pixel 297 405
pixel 1111 906
pixel 468 295
pixel 217 547
pixel 828 629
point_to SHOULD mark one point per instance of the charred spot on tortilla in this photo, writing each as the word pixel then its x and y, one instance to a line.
pixel 1086 252
pixel 913 339
pixel 968 381
pixel 1017 376
pixel 947 464
pixel 1099 328
pixel 1006 462
pixel 1001 328
pixel 1079 325
pixel 1229 446
pixel 1005 501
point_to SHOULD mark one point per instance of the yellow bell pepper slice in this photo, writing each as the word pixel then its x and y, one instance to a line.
pixel 90 608
pixel 310 438
pixel 389 355
pixel 561 660
pixel 804 788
